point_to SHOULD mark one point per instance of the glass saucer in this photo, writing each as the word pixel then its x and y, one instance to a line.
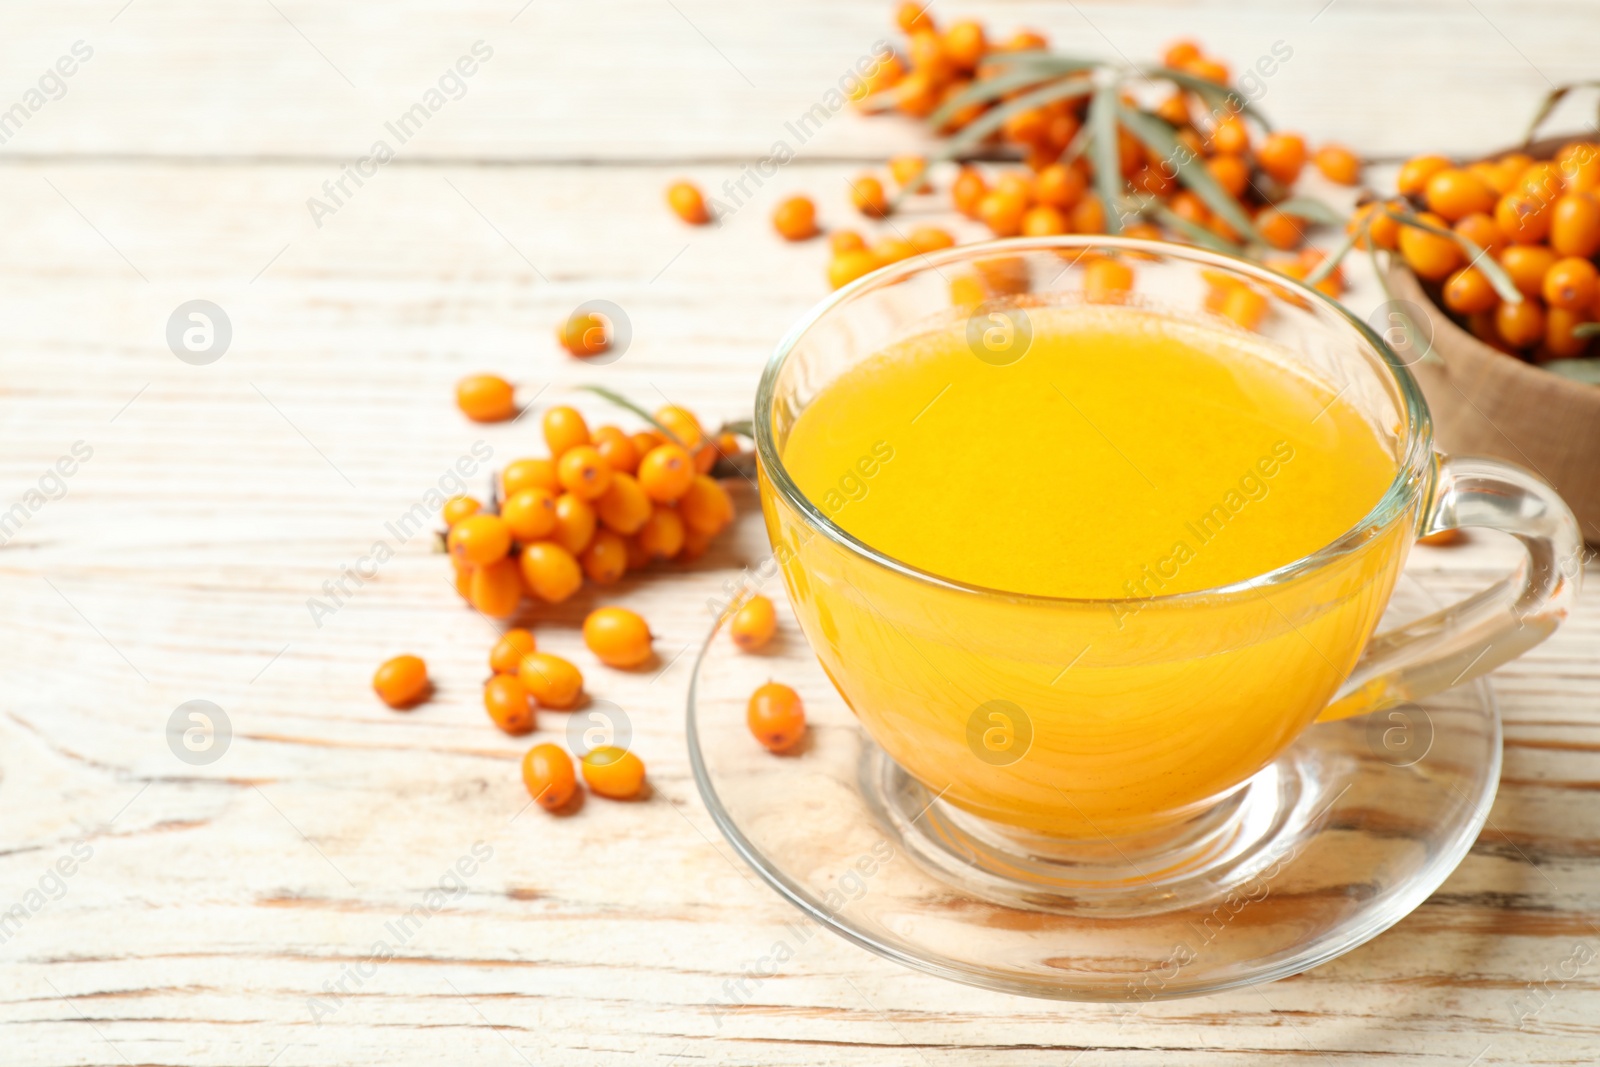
pixel 1336 841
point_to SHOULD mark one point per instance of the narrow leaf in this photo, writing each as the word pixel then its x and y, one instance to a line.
pixel 623 402
pixel 1547 105
pixel 1193 231
pixel 1331 261
pixel 1477 255
pixel 1218 97
pixel 1103 152
pixel 742 427
pixel 1310 208
pixel 1158 137
pixel 1579 370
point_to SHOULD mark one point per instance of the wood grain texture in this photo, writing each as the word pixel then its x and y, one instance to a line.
pixel 219 899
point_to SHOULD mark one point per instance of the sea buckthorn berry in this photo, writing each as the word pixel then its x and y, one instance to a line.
pixel 644 441
pixel 848 266
pixel 1155 180
pixel 1143 231
pixel 695 545
pixel 1338 163
pixel 1443 537
pixel 1017 183
pixel 682 424
pixel 1231 172
pixel 585 334
pixel 913 17
pixel 1107 281
pixel 1542 182
pixel 908 171
pixel 583 472
pixel 795 218
pixel 531 514
pixel 776 717
pixel 496 588
pixel 1527 265
pixel 1180 53
pixel 1491 175
pixel 965 44
pixel 1468 290
pixel 505 698
pixel 614 773
pixel 638 557
pixel 845 241
pixel 1060 185
pixel 753 625
pixel 1278 229
pixel 661 536
pixel 1231 136
pixel 550 571
pixel 1244 306
pixel 1415 172
pixel 606 559
pixel 463 578
pixel 705 505
pixel 1212 70
pixel 564 429
pixel 1524 219
pixel 1002 212
pixel 890 249
pixel 457 508
pixel 507 653
pixel 575 522
pixel 967 191
pixel 927 239
pixel 1453 193
pixel 1572 284
pixel 547 772
pixel 1575 225
pixel 1432 256
pixel 1042 220
pixel 1024 41
pixel 402 681
pixel 687 203
pixel 1174 109
pixel 617 636
pixel 1580 167
pixel 1088 215
pixel 705 457
pixel 866 193
pixel 624 506
pixel 616 448
pixel 523 474
pixel 918 93
pixel 1520 325
pixel 1560 340
pixel 486 398
pixel 927 54
pixel 1282 156
pixel 665 473
pixel 1026 127
pixel 479 539
pixel 1482 231
pixel 727 444
pixel 552 681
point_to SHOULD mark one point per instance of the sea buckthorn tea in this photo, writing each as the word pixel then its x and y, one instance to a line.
pixel 1124 458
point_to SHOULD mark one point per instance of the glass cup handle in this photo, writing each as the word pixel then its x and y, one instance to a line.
pixel 1490 627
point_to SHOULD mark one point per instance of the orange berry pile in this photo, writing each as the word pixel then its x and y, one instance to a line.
pixel 601 504
pixel 1055 189
pixel 1539 220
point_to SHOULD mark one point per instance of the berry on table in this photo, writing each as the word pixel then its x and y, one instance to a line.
pixel 617 636
pixel 402 681
pixel 613 772
pixel 776 717
pixel 486 398
pixel 553 681
pixel 754 624
pixel 547 772
pixel 506 700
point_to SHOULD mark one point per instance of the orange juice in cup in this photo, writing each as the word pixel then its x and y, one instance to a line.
pixel 1082 569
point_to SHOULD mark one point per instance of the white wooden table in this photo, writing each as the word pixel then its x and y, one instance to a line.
pixel 208 904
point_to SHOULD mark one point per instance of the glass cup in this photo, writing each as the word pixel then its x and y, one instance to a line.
pixel 1077 720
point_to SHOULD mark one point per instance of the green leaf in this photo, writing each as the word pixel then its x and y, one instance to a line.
pixel 1218 97
pixel 623 402
pixel 1193 231
pixel 1477 255
pixel 993 87
pixel 1311 209
pixel 742 427
pixel 1158 137
pixel 1579 370
pixel 1103 152
pixel 1331 261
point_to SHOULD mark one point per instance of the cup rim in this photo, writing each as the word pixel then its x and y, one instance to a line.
pixel 1414 469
